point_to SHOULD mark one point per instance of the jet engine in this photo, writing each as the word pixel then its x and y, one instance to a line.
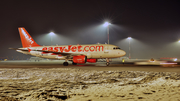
pixel 80 59
pixel 92 60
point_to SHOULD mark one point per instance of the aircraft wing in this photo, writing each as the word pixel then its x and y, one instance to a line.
pixel 58 53
pixel 45 51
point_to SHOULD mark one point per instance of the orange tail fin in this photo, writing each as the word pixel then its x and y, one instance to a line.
pixel 26 39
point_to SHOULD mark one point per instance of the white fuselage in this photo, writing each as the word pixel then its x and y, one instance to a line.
pixel 94 51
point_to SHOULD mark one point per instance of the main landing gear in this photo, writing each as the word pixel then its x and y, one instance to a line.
pixel 107 62
pixel 65 63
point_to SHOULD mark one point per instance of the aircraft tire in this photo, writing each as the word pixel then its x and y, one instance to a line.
pixel 107 64
pixel 65 63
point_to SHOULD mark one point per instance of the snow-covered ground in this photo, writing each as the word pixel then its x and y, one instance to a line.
pixel 57 84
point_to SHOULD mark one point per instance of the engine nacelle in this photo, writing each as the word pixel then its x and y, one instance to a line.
pixel 92 60
pixel 80 59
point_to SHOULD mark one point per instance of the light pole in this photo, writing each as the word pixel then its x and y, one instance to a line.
pixel 178 42
pixel 129 38
pixel 106 24
pixel 51 34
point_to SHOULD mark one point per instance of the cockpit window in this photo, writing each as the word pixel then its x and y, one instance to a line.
pixel 116 48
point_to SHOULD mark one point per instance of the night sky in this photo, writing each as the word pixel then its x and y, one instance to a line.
pixel 154 25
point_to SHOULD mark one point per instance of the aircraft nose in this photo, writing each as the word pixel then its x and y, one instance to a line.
pixel 122 53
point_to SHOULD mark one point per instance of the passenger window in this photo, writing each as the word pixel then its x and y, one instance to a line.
pixel 118 48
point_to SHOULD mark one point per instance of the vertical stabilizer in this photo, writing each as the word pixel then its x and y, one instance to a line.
pixel 26 39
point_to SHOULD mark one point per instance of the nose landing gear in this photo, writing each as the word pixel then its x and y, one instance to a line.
pixel 107 62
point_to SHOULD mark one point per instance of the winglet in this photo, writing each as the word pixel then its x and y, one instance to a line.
pixel 26 39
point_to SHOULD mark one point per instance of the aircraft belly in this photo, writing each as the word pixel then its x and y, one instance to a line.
pixel 97 55
pixel 49 56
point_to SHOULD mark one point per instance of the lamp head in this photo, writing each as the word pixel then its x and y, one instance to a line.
pixel 129 38
pixel 106 24
pixel 51 33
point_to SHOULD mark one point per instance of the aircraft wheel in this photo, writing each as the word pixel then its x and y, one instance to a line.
pixel 65 63
pixel 74 63
pixel 107 64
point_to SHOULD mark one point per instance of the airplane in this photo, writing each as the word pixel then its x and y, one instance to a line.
pixel 78 54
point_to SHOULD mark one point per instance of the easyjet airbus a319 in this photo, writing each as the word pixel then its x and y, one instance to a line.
pixel 78 54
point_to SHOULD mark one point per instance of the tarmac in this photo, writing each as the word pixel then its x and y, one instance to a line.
pixel 128 66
